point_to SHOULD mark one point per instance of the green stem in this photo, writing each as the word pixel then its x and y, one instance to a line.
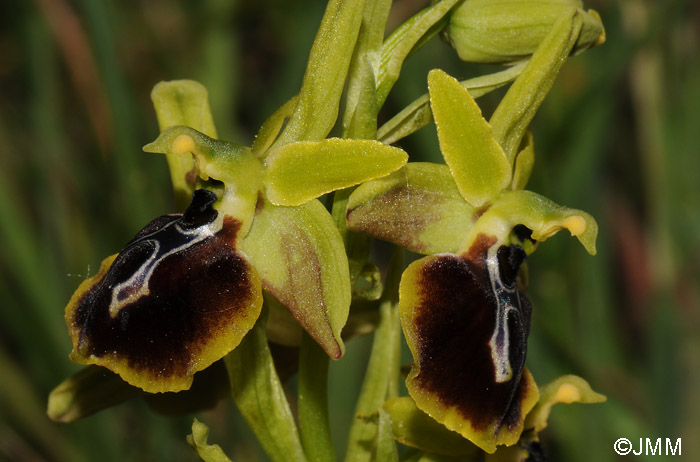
pixel 313 402
pixel 381 377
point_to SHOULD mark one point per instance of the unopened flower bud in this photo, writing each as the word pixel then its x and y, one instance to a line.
pixel 505 31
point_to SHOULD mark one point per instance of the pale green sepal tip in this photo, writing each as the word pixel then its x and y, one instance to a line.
pixel 478 164
pixel 298 172
pixel 198 440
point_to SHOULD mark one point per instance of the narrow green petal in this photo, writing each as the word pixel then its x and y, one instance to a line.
pixel 198 440
pixel 524 162
pixel 271 127
pixel 301 260
pixel 417 207
pixel 298 172
pixel 565 389
pixel 415 428
pixel 537 213
pixel 476 160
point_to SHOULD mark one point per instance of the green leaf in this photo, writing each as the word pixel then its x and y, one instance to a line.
pixel 271 127
pixel 417 207
pixel 518 107
pixel 524 162
pixel 476 161
pixel 300 258
pixel 198 440
pixel 298 172
pixel 86 392
pixel 415 428
pixel 417 114
pixel 406 39
pixel 565 389
pixel 539 214
pixel 260 397
pixel 317 109
pixel 182 102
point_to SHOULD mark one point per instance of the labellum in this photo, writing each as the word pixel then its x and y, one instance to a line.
pixel 467 325
pixel 178 297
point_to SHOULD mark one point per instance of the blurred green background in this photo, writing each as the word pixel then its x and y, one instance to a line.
pixel 619 137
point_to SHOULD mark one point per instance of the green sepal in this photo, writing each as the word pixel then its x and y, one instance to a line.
pixel 565 389
pixel 298 172
pixel 260 397
pixel 182 102
pixel 537 213
pixel 233 165
pixel 198 440
pixel 524 161
pixel 415 428
pixel 519 105
pixel 86 392
pixel 417 114
pixel 417 207
pixel 476 160
pixel 300 258
pixel 271 127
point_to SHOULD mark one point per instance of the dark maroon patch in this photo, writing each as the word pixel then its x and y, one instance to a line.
pixel 455 322
pixel 193 293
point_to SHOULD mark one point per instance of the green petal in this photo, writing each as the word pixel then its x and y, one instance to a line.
pixel 415 428
pixel 271 127
pixel 565 389
pixel 537 213
pixel 476 160
pixel 298 172
pixel 524 162
pixel 198 440
pixel 417 207
pixel 300 257
pixel 183 102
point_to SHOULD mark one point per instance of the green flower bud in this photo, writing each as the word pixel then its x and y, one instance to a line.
pixel 506 31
